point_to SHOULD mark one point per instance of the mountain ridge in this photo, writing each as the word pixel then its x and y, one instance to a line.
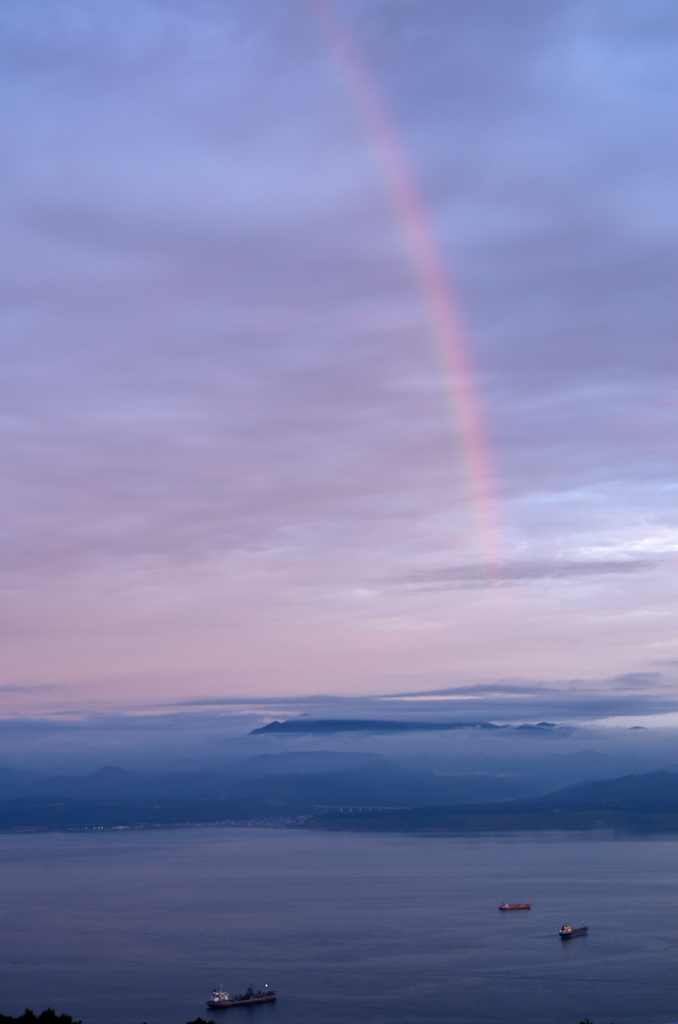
pixel 648 801
pixel 372 793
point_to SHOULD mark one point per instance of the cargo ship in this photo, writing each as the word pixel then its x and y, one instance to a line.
pixel 221 1000
pixel 568 932
pixel 515 906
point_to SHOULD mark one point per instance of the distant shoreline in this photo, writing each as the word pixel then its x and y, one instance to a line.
pixel 147 827
pixel 652 825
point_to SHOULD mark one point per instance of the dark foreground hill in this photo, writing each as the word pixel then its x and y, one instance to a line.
pixel 48 1016
pixel 645 802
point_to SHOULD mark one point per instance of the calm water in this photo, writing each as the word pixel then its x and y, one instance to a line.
pixel 140 926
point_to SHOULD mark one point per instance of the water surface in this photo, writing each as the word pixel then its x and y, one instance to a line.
pixel 125 927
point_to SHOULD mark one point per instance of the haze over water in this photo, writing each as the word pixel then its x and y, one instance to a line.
pixel 140 926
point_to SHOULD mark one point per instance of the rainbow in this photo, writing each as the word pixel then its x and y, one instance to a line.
pixel 429 268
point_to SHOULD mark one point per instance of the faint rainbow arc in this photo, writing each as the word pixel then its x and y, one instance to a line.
pixel 429 268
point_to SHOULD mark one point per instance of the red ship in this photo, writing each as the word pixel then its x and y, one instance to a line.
pixel 515 906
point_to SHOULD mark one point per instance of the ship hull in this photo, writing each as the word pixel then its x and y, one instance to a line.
pixel 516 906
pixel 212 1005
pixel 575 933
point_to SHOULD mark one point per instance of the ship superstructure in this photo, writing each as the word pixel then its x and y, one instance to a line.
pixel 221 999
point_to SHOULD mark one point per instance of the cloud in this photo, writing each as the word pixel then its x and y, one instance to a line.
pixel 638 681
pixel 39 688
pixel 518 571
pixel 224 416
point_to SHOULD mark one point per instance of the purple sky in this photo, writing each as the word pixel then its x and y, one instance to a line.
pixel 230 465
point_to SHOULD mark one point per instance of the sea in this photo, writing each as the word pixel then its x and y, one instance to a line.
pixel 139 926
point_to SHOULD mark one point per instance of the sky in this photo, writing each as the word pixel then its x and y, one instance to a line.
pixel 239 455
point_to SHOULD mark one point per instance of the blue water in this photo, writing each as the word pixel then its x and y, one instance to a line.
pixel 140 926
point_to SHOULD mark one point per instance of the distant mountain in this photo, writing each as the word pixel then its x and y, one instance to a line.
pixel 111 796
pixel 547 770
pixel 15 782
pixel 117 783
pixel 304 762
pixel 331 725
pixel 366 792
pixel 646 802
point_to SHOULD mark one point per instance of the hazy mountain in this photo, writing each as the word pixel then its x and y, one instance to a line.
pixel 15 783
pixel 112 796
pixel 374 725
pixel 290 786
pixel 645 802
pixel 113 782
